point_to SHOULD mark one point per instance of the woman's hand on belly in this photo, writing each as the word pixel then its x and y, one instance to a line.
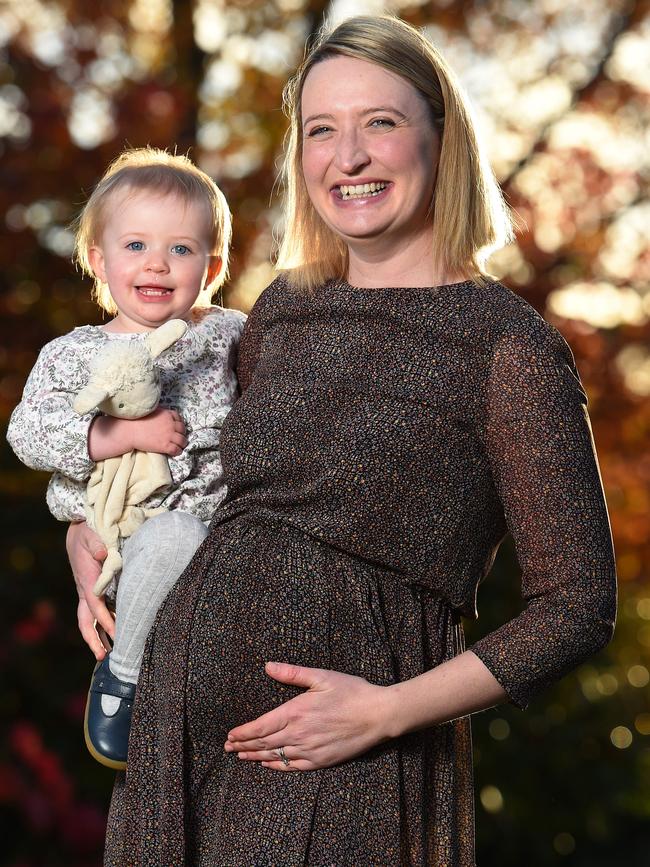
pixel 339 717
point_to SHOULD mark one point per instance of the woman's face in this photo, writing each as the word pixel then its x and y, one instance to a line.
pixel 370 152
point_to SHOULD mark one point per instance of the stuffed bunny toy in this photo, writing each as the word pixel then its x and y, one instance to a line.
pixel 124 383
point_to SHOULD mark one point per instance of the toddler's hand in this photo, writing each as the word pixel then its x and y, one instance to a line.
pixel 161 431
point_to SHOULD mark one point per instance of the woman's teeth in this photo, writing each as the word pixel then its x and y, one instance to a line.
pixel 358 190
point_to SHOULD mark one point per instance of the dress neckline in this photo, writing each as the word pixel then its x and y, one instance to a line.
pixel 343 285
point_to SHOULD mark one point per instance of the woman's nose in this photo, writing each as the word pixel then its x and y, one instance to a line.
pixel 351 154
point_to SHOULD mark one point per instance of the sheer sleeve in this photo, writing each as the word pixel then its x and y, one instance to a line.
pixel 539 443
pixel 44 431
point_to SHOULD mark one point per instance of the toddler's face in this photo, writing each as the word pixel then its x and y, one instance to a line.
pixel 155 253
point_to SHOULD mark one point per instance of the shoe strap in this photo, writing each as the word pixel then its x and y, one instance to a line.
pixel 107 684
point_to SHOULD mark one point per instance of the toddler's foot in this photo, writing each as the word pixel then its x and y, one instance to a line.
pixel 108 716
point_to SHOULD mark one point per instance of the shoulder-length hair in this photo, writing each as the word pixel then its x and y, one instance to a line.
pixel 470 217
pixel 160 173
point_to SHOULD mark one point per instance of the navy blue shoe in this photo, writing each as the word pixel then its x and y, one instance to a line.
pixel 107 737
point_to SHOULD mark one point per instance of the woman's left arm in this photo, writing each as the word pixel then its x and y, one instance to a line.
pixel 538 441
pixel 341 716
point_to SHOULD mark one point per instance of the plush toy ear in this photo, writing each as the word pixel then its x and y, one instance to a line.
pixel 89 398
pixel 162 338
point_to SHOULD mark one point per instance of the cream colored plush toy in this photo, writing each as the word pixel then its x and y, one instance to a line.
pixel 124 383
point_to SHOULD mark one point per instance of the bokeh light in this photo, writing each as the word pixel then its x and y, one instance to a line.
pixel 561 92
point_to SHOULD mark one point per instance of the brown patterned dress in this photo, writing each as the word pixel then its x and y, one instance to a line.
pixel 385 442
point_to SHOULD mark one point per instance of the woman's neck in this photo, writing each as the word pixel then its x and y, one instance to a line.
pixel 410 264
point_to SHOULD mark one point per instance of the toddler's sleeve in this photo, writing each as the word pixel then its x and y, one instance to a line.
pixel 44 431
pixel 65 498
pixel 540 447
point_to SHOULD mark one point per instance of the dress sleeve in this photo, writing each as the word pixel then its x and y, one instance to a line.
pixel 250 345
pixel 44 431
pixel 540 447
pixel 249 351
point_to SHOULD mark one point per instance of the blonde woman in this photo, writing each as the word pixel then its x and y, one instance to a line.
pixel 400 412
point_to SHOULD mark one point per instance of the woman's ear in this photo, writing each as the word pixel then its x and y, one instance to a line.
pixel 96 259
pixel 214 268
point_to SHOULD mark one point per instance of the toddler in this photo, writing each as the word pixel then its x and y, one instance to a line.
pixel 154 235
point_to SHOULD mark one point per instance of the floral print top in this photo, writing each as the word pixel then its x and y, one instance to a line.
pixel 198 379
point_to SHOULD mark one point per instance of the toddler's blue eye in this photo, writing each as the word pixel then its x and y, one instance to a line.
pixel 136 246
pixel 181 249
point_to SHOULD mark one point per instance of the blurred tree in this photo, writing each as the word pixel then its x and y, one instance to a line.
pixel 562 93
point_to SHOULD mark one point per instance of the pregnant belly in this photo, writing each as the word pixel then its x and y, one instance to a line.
pixel 267 592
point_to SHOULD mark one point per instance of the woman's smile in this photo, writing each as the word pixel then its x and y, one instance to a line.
pixel 361 190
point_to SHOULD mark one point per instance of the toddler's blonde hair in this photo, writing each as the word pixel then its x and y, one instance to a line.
pixel 161 173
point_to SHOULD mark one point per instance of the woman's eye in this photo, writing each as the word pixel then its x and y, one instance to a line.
pixel 318 130
pixel 136 246
pixel 181 249
pixel 382 122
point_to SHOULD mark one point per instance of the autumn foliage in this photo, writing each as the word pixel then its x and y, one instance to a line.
pixel 562 94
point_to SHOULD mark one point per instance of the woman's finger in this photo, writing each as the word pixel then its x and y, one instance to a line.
pixel 292 767
pixel 104 637
pixel 270 723
pixel 293 761
pixel 269 742
pixel 89 541
pixel 88 632
pixel 290 753
pixel 297 675
pixel 101 614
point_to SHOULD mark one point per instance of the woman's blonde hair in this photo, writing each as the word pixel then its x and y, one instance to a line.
pixel 470 217
pixel 161 173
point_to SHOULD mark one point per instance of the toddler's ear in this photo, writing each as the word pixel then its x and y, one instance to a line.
pixel 96 259
pixel 214 268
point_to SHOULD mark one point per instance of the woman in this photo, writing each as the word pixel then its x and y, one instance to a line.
pixel 400 412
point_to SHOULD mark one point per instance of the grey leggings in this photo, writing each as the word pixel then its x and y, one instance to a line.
pixel 154 558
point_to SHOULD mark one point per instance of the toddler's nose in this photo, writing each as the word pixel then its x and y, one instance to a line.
pixel 157 263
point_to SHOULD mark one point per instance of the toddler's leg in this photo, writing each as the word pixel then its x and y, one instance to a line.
pixel 154 558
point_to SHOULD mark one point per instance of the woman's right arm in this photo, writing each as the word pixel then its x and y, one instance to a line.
pixel 250 343
pixel 86 552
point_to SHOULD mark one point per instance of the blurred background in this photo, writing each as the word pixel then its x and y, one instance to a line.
pixel 561 90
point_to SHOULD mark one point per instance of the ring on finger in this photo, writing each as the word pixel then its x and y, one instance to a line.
pixel 282 756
